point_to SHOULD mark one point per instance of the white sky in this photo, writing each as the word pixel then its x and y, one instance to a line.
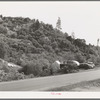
pixel 81 17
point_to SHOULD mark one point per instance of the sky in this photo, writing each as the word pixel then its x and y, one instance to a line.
pixel 80 17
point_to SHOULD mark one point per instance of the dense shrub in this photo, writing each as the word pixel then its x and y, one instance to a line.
pixel 40 67
pixel 69 56
pixel 2 50
pixel 12 75
pixel 98 61
pixel 45 67
pixel 3 29
pixel 2 75
pixel 11 34
pixel 94 59
pixel 69 68
pixel 32 68
pixel 80 58
pixel 4 66
pixel 55 68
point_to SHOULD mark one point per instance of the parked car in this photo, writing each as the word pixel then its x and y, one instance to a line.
pixel 69 65
pixel 91 64
pixel 88 65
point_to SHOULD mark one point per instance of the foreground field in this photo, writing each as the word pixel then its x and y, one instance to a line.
pixel 89 86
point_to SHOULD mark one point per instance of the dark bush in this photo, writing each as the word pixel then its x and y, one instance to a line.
pixel 69 68
pixel 3 29
pixel 40 67
pixel 2 50
pixel 4 66
pixel 80 58
pixel 12 75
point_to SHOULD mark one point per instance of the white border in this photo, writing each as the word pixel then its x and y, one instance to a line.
pixel 31 94
pixel 48 95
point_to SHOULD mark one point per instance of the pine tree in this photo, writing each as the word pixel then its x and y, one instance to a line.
pixel 97 42
pixel 58 24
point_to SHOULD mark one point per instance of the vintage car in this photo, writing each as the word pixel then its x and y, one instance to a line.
pixel 88 65
pixel 68 63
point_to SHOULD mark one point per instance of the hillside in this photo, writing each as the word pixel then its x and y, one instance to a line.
pixel 35 45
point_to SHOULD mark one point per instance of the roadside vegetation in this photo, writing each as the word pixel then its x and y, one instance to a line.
pixel 82 86
pixel 35 46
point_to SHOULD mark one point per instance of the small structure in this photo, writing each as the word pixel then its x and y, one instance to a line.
pixel 14 66
pixel 76 62
pixel 55 66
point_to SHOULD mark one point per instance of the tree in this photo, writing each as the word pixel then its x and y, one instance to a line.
pixel 37 24
pixel 80 58
pixel 3 29
pixel 2 50
pixel 58 24
pixel 73 35
pixel 1 21
pixel 66 35
pixel 98 42
pixel 39 67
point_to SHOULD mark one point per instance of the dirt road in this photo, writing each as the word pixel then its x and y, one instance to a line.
pixel 43 83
